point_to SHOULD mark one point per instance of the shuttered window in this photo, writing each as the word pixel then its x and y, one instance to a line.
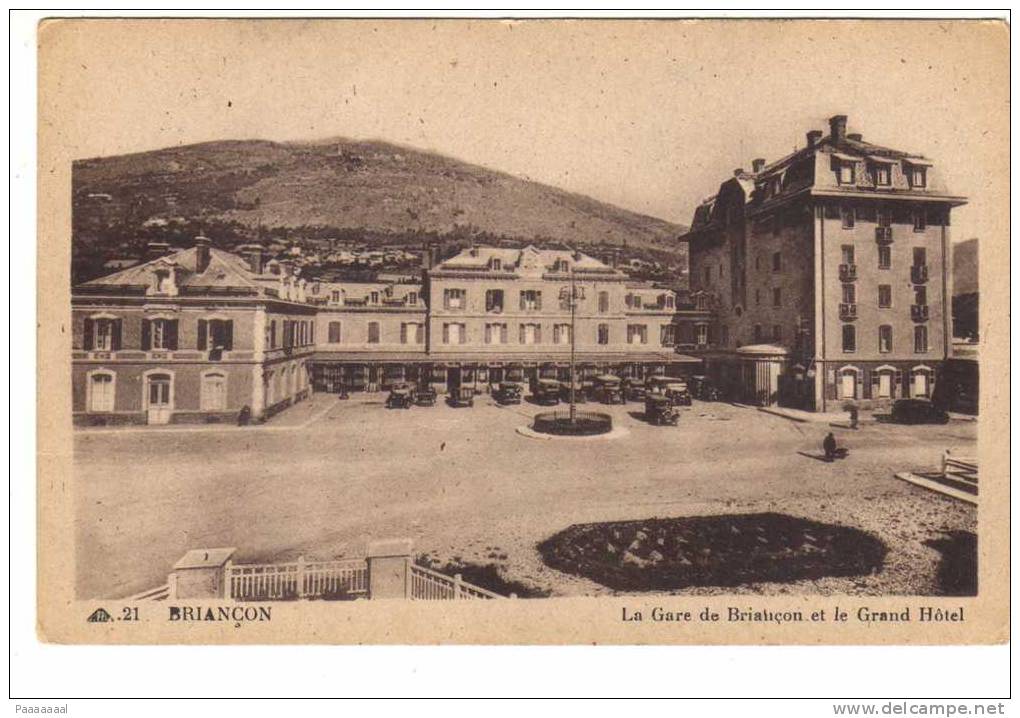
pixel 216 334
pixel 159 334
pixel 334 332
pixel 373 332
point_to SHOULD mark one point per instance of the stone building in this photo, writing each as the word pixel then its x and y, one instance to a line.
pixel 827 274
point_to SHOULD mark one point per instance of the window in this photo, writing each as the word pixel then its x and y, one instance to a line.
pixel 667 335
pixel 846 172
pixel 603 302
pixel 777 297
pixel 920 256
pixel 602 335
pixel 667 301
pixel 777 262
pixel 216 334
pixel 454 333
pixel 918 177
pixel 884 218
pixel 881 174
pixel 884 296
pixel 884 256
pixel 454 298
pixel 701 335
pixel 637 334
pixel 920 219
pixel 373 332
pixel 495 333
pixel 101 392
pixel 848 253
pixel 885 338
pixel 848 383
pixel 849 294
pixel 496 264
pixel 530 334
pixel 921 382
pixel 412 297
pixel 561 334
pixel 214 391
pixel 531 300
pixel 494 300
pixel 412 333
pixel 847 215
pixel 708 276
pixel 920 294
pixel 334 332
pixel 637 301
pixel 757 296
pixel 777 332
pixel 102 334
pixel 701 302
pixel 373 297
pixel 920 339
pixel 757 334
pixel 335 296
pixel 849 338
pixel 159 334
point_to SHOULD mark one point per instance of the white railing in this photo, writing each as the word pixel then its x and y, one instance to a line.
pixel 429 585
pixel 248 582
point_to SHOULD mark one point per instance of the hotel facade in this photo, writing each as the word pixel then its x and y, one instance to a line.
pixel 202 335
pixel 827 275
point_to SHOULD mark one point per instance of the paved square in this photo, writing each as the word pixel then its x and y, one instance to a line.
pixel 464 485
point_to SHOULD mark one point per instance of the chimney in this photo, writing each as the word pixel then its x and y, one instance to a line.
pixel 577 255
pixel 812 138
pixel 738 171
pixel 252 254
pixel 155 250
pixel 201 254
pixel 757 165
pixel 855 136
pixel 837 128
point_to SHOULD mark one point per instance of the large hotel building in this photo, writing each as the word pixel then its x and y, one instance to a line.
pixel 827 274
pixel 201 335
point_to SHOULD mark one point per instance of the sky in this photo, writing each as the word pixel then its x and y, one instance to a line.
pixel 647 115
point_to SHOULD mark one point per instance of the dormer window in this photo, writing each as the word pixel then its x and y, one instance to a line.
pixel 881 174
pixel 374 297
pixel 496 264
pixel 918 177
pixel 561 266
pixel 846 172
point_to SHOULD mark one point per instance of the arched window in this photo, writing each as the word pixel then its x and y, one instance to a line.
pixel 883 382
pixel 848 381
pixel 214 391
pixel 921 380
pixel 101 390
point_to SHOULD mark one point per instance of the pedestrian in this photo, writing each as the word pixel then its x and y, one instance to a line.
pixel 829 445
pixel 853 417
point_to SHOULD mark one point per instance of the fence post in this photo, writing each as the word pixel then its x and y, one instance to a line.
pixel 227 579
pixel 458 580
pixel 300 588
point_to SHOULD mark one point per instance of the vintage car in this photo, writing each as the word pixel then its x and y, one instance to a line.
pixel 580 392
pixel 462 396
pixel 702 388
pixel 633 389
pixel 507 392
pixel 671 387
pixel 659 410
pixel 401 397
pixel 918 411
pixel 546 391
pixel 608 389
pixel 425 396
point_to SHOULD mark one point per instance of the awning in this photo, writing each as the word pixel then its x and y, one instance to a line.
pixel 882 160
pixel 918 161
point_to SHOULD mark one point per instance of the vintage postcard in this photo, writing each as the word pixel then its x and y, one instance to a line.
pixel 421 331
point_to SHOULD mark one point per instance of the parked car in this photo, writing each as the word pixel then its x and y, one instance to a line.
pixel 580 392
pixel 659 410
pixel 507 392
pixel 401 396
pixel 608 389
pixel 670 387
pixel 918 411
pixel 633 389
pixel 425 396
pixel 462 396
pixel 546 391
pixel 702 388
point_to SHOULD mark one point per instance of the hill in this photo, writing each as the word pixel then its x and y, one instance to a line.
pixel 965 267
pixel 382 188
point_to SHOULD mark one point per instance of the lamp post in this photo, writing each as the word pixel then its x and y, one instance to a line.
pixel 571 295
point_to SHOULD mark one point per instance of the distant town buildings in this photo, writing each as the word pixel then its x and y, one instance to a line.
pixel 827 275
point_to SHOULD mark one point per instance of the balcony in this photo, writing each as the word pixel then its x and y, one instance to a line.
pixel 847 312
pixel 848 272
pixel 883 235
pixel 919 312
pixel 919 273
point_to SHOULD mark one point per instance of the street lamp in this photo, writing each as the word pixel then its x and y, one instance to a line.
pixel 572 295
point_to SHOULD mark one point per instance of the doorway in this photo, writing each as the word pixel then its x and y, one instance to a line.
pixel 159 398
pixel 453 378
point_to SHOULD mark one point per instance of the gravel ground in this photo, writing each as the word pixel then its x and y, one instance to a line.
pixel 468 488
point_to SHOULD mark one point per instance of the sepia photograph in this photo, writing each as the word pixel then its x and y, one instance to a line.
pixel 669 321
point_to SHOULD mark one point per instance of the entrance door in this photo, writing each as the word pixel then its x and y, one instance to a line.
pixel 884 385
pixel 921 385
pixel 453 379
pixel 159 406
pixel 849 385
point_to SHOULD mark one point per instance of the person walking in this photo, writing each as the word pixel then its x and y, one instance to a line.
pixel 853 417
pixel 829 445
